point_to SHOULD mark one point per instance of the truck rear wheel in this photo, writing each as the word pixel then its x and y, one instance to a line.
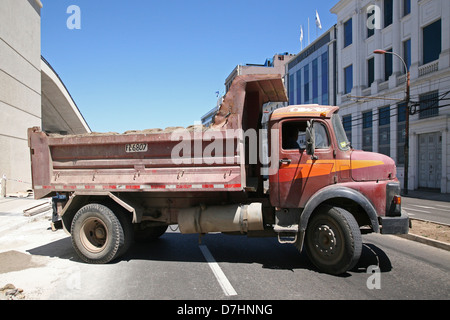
pixel 97 234
pixel 333 240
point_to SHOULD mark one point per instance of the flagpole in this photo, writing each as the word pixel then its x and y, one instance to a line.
pixel 309 42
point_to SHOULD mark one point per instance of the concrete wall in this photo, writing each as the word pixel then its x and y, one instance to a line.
pixel 20 87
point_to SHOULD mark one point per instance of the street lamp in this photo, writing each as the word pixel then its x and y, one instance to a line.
pixel 407 99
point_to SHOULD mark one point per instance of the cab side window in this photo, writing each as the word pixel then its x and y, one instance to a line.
pixel 294 135
pixel 322 140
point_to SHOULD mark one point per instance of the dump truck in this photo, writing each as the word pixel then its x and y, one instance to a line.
pixel 310 189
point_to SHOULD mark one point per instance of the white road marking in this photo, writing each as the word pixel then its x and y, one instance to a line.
pixel 218 273
pixel 416 210
pixel 441 206
pixel 425 207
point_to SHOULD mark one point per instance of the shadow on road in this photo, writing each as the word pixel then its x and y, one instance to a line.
pixel 229 249
pixel 372 255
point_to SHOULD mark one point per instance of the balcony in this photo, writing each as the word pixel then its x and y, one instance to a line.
pixel 428 68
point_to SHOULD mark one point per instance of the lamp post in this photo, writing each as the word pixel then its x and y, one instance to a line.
pixel 407 100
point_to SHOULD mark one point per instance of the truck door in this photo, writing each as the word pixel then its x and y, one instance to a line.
pixel 300 175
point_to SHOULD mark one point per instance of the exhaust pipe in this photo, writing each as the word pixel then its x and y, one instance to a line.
pixel 231 218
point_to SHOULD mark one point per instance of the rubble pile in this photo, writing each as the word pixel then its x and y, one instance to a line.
pixel 10 292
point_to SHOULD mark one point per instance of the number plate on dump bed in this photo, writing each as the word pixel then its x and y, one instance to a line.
pixel 136 147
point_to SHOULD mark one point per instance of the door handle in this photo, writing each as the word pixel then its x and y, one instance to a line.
pixel 285 161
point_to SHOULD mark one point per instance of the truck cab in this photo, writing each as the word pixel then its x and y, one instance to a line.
pixel 320 172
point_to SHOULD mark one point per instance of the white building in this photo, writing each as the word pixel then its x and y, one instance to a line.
pixel 31 92
pixel 371 87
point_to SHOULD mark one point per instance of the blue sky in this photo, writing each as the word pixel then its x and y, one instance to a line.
pixel 142 64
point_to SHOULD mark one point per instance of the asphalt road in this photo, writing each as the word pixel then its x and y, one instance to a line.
pixel 427 209
pixel 224 268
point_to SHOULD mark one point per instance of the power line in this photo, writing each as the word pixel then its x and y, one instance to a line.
pixel 413 103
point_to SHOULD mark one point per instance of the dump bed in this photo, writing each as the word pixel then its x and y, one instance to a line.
pixel 175 160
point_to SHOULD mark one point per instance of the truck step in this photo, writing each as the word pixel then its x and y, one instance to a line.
pixel 287 237
pixel 292 228
pixel 286 234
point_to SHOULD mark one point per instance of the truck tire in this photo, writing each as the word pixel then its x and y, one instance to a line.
pixel 97 234
pixel 333 240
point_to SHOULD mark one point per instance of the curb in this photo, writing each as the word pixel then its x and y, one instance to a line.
pixel 424 240
pixel 432 243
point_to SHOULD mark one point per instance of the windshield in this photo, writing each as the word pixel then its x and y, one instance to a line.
pixel 341 137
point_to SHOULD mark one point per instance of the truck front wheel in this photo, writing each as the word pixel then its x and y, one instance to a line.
pixel 97 234
pixel 333 240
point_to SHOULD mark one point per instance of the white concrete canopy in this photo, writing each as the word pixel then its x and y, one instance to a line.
pixel 60 114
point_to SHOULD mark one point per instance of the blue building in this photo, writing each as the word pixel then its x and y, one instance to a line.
pixel 312 73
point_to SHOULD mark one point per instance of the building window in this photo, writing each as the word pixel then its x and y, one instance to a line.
pixel 325 100
pixel 407 52
pixel 388 65
pixel 432 42
pixel 347 122
pixel 370 71
pixel 348 79
pixel 429 105
pixel 315 81
pixel 291 89
pixel 306 84
pixel 406 7
pixel 348 33
pixel 384 131
pixel 388 12
pixel 299 86
pixel 401 133
pixel 367 131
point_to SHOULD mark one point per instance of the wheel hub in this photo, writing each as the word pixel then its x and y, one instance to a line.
pixel 93 235
pixel 325 240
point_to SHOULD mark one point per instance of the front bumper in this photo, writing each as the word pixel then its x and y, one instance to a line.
pixel 395 225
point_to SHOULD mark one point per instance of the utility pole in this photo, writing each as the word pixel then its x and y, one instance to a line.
pixel 408 88
pixel 3 186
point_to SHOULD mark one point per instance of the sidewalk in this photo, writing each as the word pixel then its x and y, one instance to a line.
pixel 428 195
pixel 12 212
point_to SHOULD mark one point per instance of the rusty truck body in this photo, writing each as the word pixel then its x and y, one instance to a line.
pixel 316 192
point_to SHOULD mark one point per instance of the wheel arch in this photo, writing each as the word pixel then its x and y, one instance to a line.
pixel 77 201
pixel 351 200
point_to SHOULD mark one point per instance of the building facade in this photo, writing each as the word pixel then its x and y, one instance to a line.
pixel 275 65
pixel 311 74
pixel 20 82
pixel 31 93
pixel 372 87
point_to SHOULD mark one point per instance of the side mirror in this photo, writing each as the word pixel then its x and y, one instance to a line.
pixel 310 140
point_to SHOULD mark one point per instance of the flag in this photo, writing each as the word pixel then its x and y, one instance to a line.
pixel 301 33
pixel 318 24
